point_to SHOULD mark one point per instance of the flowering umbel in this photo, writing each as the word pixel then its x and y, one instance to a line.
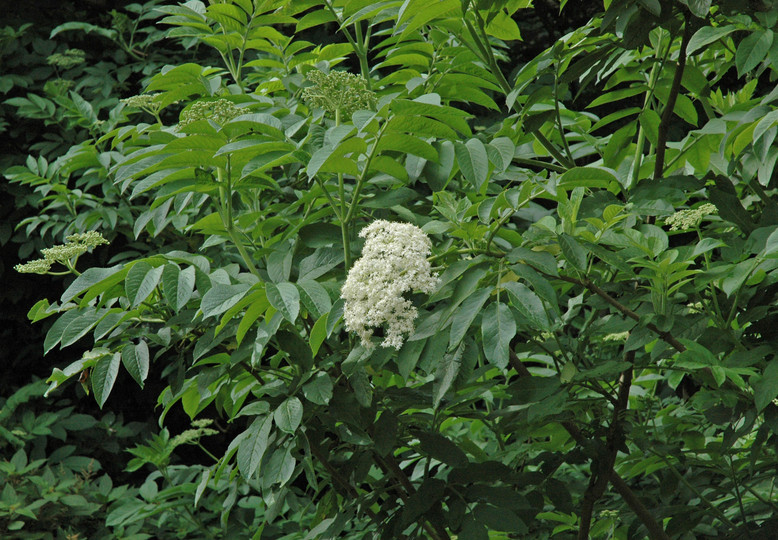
pixel 394 261
pixel 338 92
pixel 683 220
pixel 220 111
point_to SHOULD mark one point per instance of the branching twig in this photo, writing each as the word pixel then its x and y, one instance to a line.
pixel 434 530
pixel 655 530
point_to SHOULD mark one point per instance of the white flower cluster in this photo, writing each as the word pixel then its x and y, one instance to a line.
pixel 394 261
pixel 683 220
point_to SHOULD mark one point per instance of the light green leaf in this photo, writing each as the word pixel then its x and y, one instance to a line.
pixel 502 26
pixel 498 327
pixel 220 298
pixel 588 177
pixel 104 376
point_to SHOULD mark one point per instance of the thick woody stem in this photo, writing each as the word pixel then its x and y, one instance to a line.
pixel 655 530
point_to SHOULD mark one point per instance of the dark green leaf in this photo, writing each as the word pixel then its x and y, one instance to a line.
pixel 104 376
pixel 135 359
pixel 288 415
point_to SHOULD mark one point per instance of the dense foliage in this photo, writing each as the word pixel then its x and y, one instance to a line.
pixel 403 285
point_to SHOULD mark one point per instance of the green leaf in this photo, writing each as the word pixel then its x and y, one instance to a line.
pixel 649 121
pixel 501 151
pixel 89 278
pixel 54 335
pixel 178 285
pixel 766 390
pixel 285 298
pixel 104 376
pixel 499 519
pixel 699 8
pixel 318 334
pixel 466 314
pixel 446 373
pixel 439 447
pixel 253 446
pixel 473 161
pixel 363 390
pixel 407 144
pixel 503 27
pixel 135 359
pixel 80 326
pixel 141 281
pixel 753 50
pixel 220 298
pixel 319 389
pixel 498 328
pixel 588 177
pixel 257 308
pixel 528 304
pixel 707 35
pixel 288 415
pixel 573 252
pixel 314 297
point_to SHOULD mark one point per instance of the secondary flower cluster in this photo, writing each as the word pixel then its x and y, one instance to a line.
pixel 394 261
pixel 70 58
pixel 338 91
pixel 220 111
pixel 683 220
pixel 77 244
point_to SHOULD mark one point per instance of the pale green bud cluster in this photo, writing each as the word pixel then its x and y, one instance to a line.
pixel 90 239
pixel 685 220
pixel 220 111
pixel 617 337
pixel 339 92
pixel 70 58
pixel 76 245
pixel 58 87
pixel 191 436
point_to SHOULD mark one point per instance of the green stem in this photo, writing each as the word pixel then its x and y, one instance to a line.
pixel 652 80
pixel 225 211
pixel 697 492
pixel 364 43
pixel 559 115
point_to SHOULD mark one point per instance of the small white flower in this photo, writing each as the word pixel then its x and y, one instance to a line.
pixel 684 220
pixel 394 261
